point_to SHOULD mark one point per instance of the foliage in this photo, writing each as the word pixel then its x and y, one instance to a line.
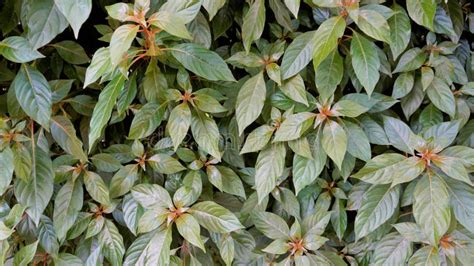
pixel 197 132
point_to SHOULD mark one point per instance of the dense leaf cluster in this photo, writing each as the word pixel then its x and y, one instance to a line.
pixel 232 132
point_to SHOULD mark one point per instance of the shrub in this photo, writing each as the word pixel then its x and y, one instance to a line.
pixel 189 132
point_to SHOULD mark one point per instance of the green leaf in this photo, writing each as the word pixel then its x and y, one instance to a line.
pixel 452 167
pixel 422 12
pixel 190 191
pixel 250 101
pixel 461 200
pixel 392 249
pixel 111 242
pixel 47 235
pixel 5 232
pixel 99 65
pixel 294 88
pixel 326 37
pixel 334 142
pixel 146 120
pixel 44 22
pixel 207 103
pixel 298 54
pixel 253 23
pixel 390 168
pixel 213 6
pixel 257 139
pixel 152 248
pixel 278 246
pixel 97 188
pixel 36 193
pixel 75 11
pixel 271 225
pixel 103 108
pixel 71 52
pixel 178 123
pixel 189 229
pixel 268 168
pixel 403 84
pixel 163 163
pixel 206 133
pixel 365 61
pixel 34 94
pixel 357 142
pixel 410 60
pixel 427 255
pixel 152 196
pixel 25 255
pixel 121 41
pixel 348 108
pixel 400 30
pixel 214 217
pixel 329 74
pixel 378 205
pixel 17 49
pixel 431 207
pixel 202 62
pixel 67 205
pixel 441 96
pixel 294 126
pixel 225 179
pixel 123 180
pixel 64 133
pixel 400 135
pixel 6 169
pixel 120 11
pixel 171 22
pixel 372 23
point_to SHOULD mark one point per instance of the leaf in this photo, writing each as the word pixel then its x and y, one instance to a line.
pixel 298 54
pixel 410 60
pixel 17 49
pixel 357 142
pixel 268 168
pixel 146 120
pixel 47 236
pixel 67 205
pixel 206 133
pixel 225 179
pixel 76 12
pixel 431 207
pixel 123 180
pixel 400 30
pixel 403 85
pixel 189 229
pixel 334 142
pixel 179 122
pixel 64 133
pixel 6 169
pixel 152 248
pixel 202 62
pixel 422 12
pixel 103 108
pixel 400 135
pixel 44 22
pixel 71 52
pixel 441 96
pixel 171 22
pixel 461 200
pixel 372 23
pixel 427 255
pixel 452 167
pixel 329 74
pixel 257 139
pixel 390 168
pixel 348 108
pixel 121 41
pixel 271 225
pixel 214 217
pixel 99 65
pixel 25 255
pixel 365 62
pixel 163 163
pixel 253 23
pixel 111 242
pixel 326 37
pixel 97 188
pixel 33 94
pixel 213 6
pixel 36 193
pixel 294 88
pixel 120 11
pixel 294 126
pixel 250 101
pixel 378 205
pixel 152 196
pixel 393 249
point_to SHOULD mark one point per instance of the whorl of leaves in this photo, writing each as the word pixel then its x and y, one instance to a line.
pixel 232 132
